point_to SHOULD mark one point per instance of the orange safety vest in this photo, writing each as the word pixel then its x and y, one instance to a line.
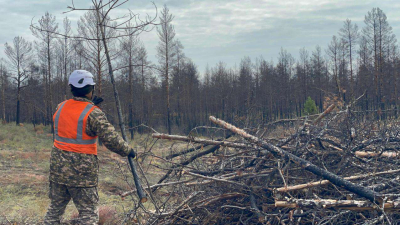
pixel 70 127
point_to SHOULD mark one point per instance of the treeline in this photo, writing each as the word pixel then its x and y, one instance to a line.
pixel 171 95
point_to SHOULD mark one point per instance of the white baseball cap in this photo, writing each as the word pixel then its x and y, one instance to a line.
pixel 81 78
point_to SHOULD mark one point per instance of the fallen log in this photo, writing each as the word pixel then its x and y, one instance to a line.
pixel 333 178
pixel 200 140
pixel 184 152
pixel 325 113
pixel 373 154
pixel 354 205
pixel 325 182
pixel 249 175
pixel 216 179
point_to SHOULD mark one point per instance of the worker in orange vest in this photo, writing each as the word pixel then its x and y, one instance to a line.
pixel 74 166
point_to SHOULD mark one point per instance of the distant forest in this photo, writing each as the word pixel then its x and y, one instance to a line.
pixel 170 95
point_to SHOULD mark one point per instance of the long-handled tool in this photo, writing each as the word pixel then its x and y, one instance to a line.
pixel 142 195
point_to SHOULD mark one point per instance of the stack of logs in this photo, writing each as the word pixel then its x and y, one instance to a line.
pixel 336 169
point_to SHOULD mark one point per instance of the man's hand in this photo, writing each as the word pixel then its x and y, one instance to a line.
pixel 97 100
pixel 132 153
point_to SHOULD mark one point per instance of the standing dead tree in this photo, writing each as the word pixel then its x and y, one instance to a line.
pixel 166 54
pixel 129 46
pixel 101 16
pixel 18 57
pixel 349 34
pixel 89 27
pixel 3 78
pixel 66 50
pixel 46 32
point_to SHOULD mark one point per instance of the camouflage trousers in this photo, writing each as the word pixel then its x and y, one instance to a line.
pixel 85 200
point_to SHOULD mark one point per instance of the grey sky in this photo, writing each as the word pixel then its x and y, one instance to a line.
pixel 221 30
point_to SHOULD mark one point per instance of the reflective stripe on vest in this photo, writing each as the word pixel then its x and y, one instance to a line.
pixel 79 139
pixel 70 122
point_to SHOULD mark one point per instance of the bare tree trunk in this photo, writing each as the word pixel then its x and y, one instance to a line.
pixel 333 203
pixel 3 87
pixel 351 73
pixel 337 79
pixel 141 193
pixel 46 98
pixel 18 104
pixel 18 95
pixel 130 97
pixel 205 142
pixel 380 66
pixel 143 90
pixel 50 90
pixel 34 116
pixel 325 182
pixel 65 69
pixel 396 65
pixel 168 104
pixel 99 83
pixel 167 86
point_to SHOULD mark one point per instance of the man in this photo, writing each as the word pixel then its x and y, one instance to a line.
pixel 73 164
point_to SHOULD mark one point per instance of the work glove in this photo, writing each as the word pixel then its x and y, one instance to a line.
pixel 97 100
pixel 132 153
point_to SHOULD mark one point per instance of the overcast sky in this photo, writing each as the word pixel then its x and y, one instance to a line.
pixel 220 30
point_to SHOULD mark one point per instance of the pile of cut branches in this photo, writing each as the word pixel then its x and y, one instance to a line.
pixel 336 169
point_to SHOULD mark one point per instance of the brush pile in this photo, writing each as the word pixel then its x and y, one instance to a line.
pixel 338 168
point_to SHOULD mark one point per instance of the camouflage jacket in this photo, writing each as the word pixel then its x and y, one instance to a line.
pixel 81 170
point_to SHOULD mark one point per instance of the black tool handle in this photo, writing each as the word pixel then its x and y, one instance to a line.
pixel 142 195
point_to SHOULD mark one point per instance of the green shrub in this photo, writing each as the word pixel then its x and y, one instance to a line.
pixel 309 107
